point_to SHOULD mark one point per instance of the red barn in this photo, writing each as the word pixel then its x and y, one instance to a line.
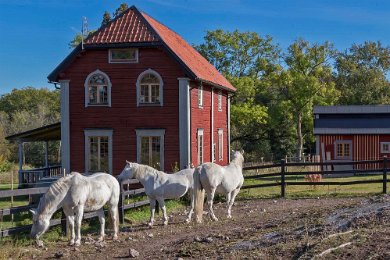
pixel 135 90
pixel 352 133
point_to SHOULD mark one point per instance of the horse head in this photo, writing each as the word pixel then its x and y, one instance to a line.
pixel 238 156
pixel 41 223
pixel 127 172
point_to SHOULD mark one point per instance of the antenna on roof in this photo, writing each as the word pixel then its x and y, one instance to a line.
pixel 84 31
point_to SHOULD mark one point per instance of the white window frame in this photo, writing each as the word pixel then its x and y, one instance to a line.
pixel 200 96
pixel 97 133
pixel 382 147
pixel 220 100
pixel 200 146
pixel 110 60
pixel 350 149
pixel 220 144
pixel 138 84
pixel 147 133
pixel 86 92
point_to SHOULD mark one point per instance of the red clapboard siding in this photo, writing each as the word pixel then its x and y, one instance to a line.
pixel 220 122
pixel 123 116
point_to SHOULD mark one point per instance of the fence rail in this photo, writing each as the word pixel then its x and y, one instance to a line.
pixel 317 169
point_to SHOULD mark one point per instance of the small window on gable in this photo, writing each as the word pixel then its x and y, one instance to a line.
pixel 129 55
pixel 97 89
pixel 200 96
pixel 385 147
pixel 149 88
pixel 220 100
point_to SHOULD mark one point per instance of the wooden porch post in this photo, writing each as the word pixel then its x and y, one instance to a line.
pixel 20 155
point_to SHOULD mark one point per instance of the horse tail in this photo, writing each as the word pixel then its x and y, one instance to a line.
pixel 198 195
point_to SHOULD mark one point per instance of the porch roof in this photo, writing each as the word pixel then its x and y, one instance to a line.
pixel 45 133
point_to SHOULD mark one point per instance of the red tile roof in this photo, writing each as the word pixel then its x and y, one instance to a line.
pixel 133 26
pixel 127 28
pixel 202 69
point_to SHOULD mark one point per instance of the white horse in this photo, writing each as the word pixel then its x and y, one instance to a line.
pixel 159 185
pixel 77 194
pixel 211 177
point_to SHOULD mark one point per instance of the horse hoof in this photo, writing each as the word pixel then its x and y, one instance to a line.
pixel 71 243
pixel 150 225
pixel 215 219
pixel 166 223
pixel 188 221
pixel 229 216
pixel 77 243
pixel 115 238
pixel 100 239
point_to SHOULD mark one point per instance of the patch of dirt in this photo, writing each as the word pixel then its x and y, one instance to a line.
pixel 266 229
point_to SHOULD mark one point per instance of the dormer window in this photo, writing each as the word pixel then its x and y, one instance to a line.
pixel 97 89
pixel 129 55
pixel 149 88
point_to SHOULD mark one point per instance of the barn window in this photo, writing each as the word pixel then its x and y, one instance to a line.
pixel 220 100
pixel 129 55
pixel 98 151
pixel 150 147
pixel 220 144
pixel 200 146
pixel 200 96
pixel 97 89
pixel 149 88
pixel 385 147
pixel 343 149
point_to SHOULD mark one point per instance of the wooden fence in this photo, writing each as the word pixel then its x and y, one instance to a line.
pixel 129 190
pixel 380 167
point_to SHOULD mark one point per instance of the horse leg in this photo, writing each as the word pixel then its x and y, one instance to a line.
pixel 152 209
pixel 78 219
pixel 70 220
pixel 228 199
pixel 164 210
pixel 234 194
pixel 114 219
pixel 210 198
pixel 102 221
pixel 188 220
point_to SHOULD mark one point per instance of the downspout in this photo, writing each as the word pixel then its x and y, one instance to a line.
pixel 212 125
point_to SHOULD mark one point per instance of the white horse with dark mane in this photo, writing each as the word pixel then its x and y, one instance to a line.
pixel 77 194
pixel 211 177
pixel 159 185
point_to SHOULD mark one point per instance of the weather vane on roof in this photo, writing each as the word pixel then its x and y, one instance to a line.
pixel 84 31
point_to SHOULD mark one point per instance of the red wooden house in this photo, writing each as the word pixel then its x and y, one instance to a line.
pixel 137 91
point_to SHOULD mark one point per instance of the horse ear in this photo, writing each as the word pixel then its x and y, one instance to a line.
pixel 127 162
pixel 33 211
pixel 242 151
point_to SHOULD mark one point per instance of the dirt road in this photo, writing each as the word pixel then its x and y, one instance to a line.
pixel 260 229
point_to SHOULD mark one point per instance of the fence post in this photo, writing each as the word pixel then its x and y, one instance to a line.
pixel 385 174
pixel 121 210
pixel 283 178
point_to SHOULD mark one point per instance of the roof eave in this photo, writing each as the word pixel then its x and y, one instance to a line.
pixel 217 85
pixel 53 76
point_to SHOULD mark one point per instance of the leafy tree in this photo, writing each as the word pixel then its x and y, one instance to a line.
pixel 307 80
pixel 361 74
pixel 77 39
pixel 106 18
pixel 123 7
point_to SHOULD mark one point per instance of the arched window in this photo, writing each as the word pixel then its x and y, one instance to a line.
pixel 97 89
pixel 149 88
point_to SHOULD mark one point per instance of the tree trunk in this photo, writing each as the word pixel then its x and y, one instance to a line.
pixel 299 136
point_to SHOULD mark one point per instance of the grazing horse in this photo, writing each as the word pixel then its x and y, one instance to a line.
pixel 159 185
pixel 211 177
pixel 77 194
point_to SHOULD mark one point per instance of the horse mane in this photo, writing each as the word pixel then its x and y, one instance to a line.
pixel 141 170
pixel 51 197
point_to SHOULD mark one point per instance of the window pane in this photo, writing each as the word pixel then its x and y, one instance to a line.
pixel 97 79
pixel 103 94
pixel 104 154
pixel 155 98
pixel 124 55
pixel 93 154
pixel 346 150
pixel 155 156
pixel 92 94
pixel 150 78
pixel 144 94
pixel 145 150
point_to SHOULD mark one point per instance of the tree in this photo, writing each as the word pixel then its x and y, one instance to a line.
pixel 307 80
pixel 361 74
pixel 123 7
pixel 106 18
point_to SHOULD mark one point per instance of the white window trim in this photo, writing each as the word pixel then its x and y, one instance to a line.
pixel 219 100
pixel 151 132
pixel 200 96
pixel 382 150
pixel 138 84
pixel 97 132
pixel 220 144
pixel 200 133
pixel 86 90
pixel 123 61
pixel 343 142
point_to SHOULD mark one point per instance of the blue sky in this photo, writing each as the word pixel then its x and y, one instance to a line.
pixel 34 34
